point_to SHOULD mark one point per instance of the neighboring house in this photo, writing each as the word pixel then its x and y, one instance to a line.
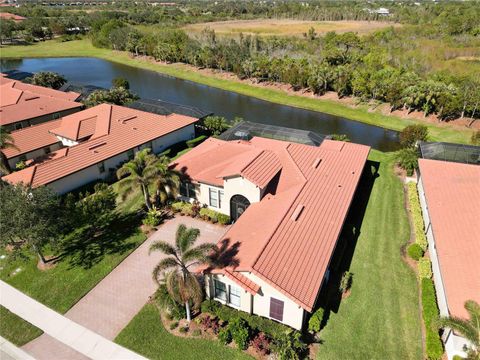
pixel 450 198
pixel 10 16
pixel 162 107
pixel 288 202
pixel 33 142
pixel 23 105
pixel 100 139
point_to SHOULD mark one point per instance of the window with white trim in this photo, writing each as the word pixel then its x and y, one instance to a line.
pixel 213 197
pixel 220 290
pixel 235 294
pixel 188 190
pixel 220 198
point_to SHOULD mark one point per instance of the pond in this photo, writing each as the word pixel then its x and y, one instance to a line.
pixel 149 84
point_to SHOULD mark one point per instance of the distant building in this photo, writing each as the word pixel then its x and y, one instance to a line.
pixel 450 199
pixel 9 16
pixel 94 143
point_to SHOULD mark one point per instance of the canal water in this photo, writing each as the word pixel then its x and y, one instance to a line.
pixel 149 84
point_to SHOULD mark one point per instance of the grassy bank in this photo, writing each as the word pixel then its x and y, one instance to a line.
pixel 380 319
pixel 146 335
pixel 84 48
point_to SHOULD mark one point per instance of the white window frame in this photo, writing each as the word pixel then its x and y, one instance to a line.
pixel 234 292
pixel 215 281
pixel 210 192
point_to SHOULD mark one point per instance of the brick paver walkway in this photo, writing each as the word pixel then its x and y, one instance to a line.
pixel 110 305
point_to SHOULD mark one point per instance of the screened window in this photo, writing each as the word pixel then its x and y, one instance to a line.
pixel 220 290
pixel 188 190
pixel 213 196
pixel 235 293
pixel 101 167
pixel 220 198
pixel 276 309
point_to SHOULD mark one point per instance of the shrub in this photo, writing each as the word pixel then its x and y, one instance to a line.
pixel 183 329
pixel 340 137
pixel 214 216
pixel 225 336
pixel 430 317
pixel 121 82
pixel 174 325
pixel 172 308
pixel 407 159
pixel 212 323
pixel 475 138
pixel 215 124
pixel 210 306
pixel 197 332
pixel 240 332
pixel 289 346
pixel 261 343
pixel 416 214
pixel 415 251
pixel 424 268
pixel 20 165
pixel 194 142
pixel 315 322
pixel 177 206
pixel 346 281
pixel 413 133
pixel 154 217
pixel 223 219
pixel 182 207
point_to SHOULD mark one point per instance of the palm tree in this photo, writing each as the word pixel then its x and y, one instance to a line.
pixel 6 142
pixel 167 181
pixel 469 329
pixel 142 172
pixel 182 285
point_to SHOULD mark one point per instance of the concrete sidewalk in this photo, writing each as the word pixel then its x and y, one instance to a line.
pixel 110 305
pixel 64 330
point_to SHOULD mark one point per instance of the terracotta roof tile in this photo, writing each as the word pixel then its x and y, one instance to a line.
pixel 452 191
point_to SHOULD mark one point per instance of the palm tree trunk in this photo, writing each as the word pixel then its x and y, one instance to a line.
pixel 187 309
pixel 146 195
pixel 40 254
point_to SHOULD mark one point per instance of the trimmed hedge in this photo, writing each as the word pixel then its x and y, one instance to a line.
pixel 315 322
pixel 194 142
pixel 271 328
pixel 424 268
pixel 182 207
pixel 416 215
pixel 430 316
pixel 214 216
pixel 415 251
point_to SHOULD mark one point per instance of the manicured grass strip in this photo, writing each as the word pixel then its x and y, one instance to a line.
pixel 430 316
pixel 84 47
pixel 15 329
pixel 146 335
pixel 416 214
pixel 381 317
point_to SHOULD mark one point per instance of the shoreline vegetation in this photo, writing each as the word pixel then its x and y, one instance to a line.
pixel 226 81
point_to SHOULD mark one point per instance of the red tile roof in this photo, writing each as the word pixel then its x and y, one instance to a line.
pixel 10 16
pixel 19 101
pixel 287 239
pixel 124 129
pixel 452 192
pixel 32 138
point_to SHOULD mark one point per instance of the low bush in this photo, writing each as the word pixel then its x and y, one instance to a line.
pixel 210 323
pixel 240 332
pixel 416 214
pixel 415 251
pixel 210 306
pixel 289 346
pixel 413 133
pixel 223 219
pixel 194 142
pixel 172 309
pixel 154 217
pixel 315 322
pixel 174 325
pixel 261 343
pixel 424 268
pixel 182 207
pixel 214 216
pixel 346 281
pixel 183 329
pixel 407 159
pixel 225 336
pixel 430 313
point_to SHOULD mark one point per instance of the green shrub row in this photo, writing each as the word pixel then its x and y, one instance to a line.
pixel 185 208
pixel 424 268
pixel 271 328
pixel 430 316
pixel 415 251
pixel 416 215
pixel 194 142
pixel 315 322
pixel 214 216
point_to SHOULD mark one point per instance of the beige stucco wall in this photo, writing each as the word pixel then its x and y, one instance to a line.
pixel 33 154
pixel 292 313
pixel 41 119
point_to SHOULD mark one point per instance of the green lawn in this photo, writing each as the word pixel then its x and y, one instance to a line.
pixel 76 274
pixel 84 47
pixel 146 335
pixel 380 319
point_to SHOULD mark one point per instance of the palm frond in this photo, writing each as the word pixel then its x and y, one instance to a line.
pixel 188 238
pixel 198 253
pixel 179 234
pixel 162 246
pixel 163 265
pixel 463 327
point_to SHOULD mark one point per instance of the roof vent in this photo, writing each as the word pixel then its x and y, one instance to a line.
pixel 297 212
pixel 316 163
pixel 31 98
pixel 126 118
pixel 97 146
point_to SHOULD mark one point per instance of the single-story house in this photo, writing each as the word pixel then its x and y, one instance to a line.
pixel 450 199
pixel 98 140
pixel 10 16
pixel 23 105
pixel 288 202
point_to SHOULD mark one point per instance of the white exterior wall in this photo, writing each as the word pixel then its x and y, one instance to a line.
pixel 33 154
pixel 92 173
pixel 292 313
pixel 453 344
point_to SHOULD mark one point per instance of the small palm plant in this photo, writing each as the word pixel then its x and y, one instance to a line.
pixel 174 270
pixel 142 172
pixel 6 142
pixel 167 181
pixel 469 329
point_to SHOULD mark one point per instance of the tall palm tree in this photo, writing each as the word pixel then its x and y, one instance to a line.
pixel 182 285
pixel 6 142
pixel 469 329
pixel 142 172
pixel 167 181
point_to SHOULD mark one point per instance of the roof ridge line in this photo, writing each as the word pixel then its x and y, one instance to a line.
pixel 251 161
pixel 33 174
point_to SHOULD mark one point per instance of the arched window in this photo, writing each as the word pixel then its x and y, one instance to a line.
pixel 238 205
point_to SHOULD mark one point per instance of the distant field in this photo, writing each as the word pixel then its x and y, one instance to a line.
pixel 284 27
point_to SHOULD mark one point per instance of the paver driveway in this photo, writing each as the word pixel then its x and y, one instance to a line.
pixel 110 305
